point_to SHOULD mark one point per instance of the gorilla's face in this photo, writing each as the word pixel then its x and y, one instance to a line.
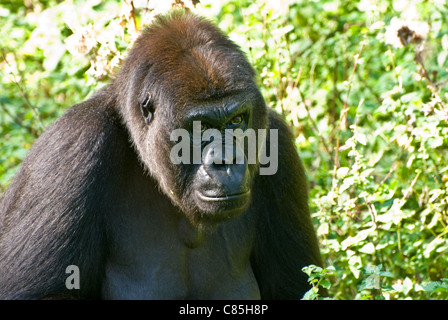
pixel 210 164
pixel 194 78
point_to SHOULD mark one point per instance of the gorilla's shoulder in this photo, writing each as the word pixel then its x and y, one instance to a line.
pixel 87 133
pixel 94 116
pixel 276 121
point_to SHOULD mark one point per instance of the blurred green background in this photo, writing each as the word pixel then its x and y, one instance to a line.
pixel 362 84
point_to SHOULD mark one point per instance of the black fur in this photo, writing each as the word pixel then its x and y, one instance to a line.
pixel 98 191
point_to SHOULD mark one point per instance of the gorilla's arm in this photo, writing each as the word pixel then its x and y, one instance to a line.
pixel 53 213
pixel 285 239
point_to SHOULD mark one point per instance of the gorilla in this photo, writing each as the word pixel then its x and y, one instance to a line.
pixel 99 193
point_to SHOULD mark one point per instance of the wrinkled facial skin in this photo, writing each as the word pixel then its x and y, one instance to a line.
pixel 221 184
pixel 217 186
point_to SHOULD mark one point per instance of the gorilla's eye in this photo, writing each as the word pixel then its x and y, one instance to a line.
pixel 236 120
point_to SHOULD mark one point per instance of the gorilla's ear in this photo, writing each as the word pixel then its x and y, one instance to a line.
pixel 147 107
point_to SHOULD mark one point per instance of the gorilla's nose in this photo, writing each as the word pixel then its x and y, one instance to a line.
pixel 225 173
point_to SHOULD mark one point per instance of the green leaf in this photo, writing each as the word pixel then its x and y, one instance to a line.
pixel 311 294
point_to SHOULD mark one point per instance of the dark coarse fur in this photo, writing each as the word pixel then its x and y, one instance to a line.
pixel 97 186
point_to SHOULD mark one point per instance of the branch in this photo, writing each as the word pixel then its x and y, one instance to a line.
pixel 342 118
pixel 23 93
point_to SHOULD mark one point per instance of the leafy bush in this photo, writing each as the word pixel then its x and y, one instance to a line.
pixel 363 85
pixel 370 114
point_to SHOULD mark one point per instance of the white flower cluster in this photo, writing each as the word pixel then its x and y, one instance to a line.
pixel 407 28
pixel 81 41
pixel 401 32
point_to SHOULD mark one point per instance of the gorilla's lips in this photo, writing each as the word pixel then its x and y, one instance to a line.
pixel 225 197
pixel 225 205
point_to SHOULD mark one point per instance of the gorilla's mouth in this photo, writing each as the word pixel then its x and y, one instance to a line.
pixel 226 197
pixel 222 206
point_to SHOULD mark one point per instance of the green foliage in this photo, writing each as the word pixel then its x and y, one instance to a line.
pixel 370 116
pixel 373 285
pixel 369 111
pixel 317 277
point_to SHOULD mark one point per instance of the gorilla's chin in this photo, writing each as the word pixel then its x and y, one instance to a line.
pixel 219 207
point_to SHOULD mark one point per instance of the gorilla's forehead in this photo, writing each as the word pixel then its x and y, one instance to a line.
pixel 190 59
pixel 202 73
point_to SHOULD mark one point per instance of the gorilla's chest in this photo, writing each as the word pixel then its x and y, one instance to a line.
pixel 160 258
